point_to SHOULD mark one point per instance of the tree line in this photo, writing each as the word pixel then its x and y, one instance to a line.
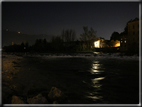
pixel 66 42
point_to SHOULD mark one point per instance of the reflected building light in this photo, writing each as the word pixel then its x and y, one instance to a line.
pixel 95 62
pixel 100 78
pixel 95 67
pixel 97 79
pixel 97 71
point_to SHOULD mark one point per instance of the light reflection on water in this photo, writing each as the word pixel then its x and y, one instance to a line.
pixel 92 77
pixel 97 69
pixel 96 81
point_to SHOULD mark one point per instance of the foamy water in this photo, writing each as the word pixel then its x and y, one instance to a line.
pixel 86 55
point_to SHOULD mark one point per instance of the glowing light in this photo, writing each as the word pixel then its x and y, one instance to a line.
pixel 117 44
pixel 125 41
pixel 96 80
pixel 97 44
pixel 18 32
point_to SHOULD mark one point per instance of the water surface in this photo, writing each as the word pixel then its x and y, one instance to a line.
pixel 86 80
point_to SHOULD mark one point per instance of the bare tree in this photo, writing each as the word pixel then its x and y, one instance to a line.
pixel 88 37
pixel 68 35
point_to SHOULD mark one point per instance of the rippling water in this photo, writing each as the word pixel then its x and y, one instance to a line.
pixel 91 80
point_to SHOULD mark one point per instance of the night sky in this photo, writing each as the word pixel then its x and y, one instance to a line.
pixel 52 17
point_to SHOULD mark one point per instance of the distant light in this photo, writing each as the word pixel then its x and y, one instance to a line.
pixel 18 32
pixel 97 44
pixel 117 45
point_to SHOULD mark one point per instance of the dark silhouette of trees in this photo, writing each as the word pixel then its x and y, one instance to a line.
pixel 115 36
pixel 41 45
pixel 68 35
pixel 88 37
pixel 56 43
pixel 17 48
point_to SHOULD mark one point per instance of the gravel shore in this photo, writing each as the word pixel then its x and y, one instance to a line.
pixel 10 68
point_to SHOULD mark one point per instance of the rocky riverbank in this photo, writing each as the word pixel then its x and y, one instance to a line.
pixel 55 96
pixel 13 87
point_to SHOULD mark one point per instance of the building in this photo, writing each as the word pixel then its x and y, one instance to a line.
pixel 99 43
pixel 130 41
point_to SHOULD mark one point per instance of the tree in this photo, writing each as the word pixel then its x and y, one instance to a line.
pixel 115 36
pixel 68 35
pixel 56 43
pixel 88 37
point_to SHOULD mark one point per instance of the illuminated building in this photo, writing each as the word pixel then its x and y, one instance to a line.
pixel 117 44
pixel 99 43
pixel 130 41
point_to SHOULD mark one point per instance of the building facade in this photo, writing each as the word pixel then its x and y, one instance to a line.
pixel 130 42
pixel 99 43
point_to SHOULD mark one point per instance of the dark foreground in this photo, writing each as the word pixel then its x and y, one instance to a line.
pixel 82 80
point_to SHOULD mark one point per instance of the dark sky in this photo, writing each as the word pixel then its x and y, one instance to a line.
pixel 52 17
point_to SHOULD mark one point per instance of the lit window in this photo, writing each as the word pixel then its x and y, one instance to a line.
pixel 125 41
pixel 121 41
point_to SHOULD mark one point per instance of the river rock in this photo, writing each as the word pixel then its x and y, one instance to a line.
pixel 56 95
pixel 16 100
pixel 39 99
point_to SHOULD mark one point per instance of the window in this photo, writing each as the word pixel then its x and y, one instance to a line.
pixel 133 33
pixel 133 27
pixel 125 41
pixel 133 39
pixel 121 41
